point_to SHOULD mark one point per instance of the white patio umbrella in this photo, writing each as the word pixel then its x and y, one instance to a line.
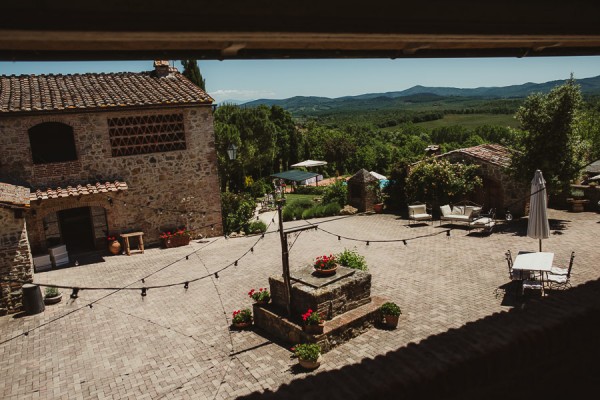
pixel 538 226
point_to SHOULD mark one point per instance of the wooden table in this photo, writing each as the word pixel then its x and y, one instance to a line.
pixel 140 237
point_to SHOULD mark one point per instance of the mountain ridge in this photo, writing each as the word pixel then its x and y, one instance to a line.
pixel 588 86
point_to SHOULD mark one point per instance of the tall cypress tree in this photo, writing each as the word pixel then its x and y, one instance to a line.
pixel 192 72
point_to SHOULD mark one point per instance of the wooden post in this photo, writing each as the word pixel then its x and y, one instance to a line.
pixel 285 260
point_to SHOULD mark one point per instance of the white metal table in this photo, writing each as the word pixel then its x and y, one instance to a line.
pixel 535 262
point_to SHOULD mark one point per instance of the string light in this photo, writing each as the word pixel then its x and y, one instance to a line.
pixel 252 249
pixel 217 275
pixel 448 233
pixel 367 242
pixel 144 292
pixel 90 305
pixel 143 280
pixel 404 241
pixel 186 285
pixel 235 263
pixel 75 293
pixel 339 238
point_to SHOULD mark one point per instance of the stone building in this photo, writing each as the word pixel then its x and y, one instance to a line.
pixel 360 194
pixel 499 189
pixel 104 154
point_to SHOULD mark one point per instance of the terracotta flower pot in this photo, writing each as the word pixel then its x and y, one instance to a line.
pixel 378 208
pixel 326 272
pixel 242 325
pixel 314 329
pixel 114 247
pixel 391 320
pixel 308 364
pixel 263 302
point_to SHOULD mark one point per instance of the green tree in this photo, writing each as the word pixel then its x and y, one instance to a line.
pixel 549 140
pixel 192 72
pixel 437 181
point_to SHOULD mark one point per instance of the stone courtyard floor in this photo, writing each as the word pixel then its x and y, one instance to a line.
pixel 177 344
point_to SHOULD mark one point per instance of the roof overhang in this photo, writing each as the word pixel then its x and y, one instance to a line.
pixel 75 30
pixel 78 190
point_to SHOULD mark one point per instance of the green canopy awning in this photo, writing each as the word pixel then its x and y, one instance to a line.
pixel 295 175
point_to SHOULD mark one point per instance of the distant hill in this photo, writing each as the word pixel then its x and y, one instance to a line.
pixel 412 97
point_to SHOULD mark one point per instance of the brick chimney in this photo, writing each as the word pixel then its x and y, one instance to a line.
pixel 161 68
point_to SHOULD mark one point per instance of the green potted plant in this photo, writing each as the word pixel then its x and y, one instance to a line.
pixel 391 312
pixel 577 200
pixel 308 354
pixel 313 322
pixel 262 296
pixel 52 295
pixel 351 259
pixel 242 318
pixel 325 265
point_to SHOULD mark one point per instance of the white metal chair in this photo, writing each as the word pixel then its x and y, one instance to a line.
pixel 417 212
pixel 559 278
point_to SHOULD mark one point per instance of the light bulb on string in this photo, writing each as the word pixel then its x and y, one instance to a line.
pixel 367 242
pixel 144 291
pixel 508 216
pixel 404 241
pixel 75 293
pixel 186 285
pixel 217 275
pixel 235 263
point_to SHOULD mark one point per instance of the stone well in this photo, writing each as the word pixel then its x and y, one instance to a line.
pixel 343 300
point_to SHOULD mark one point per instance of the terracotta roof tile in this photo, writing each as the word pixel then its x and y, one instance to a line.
pixel 491 153
pixel 79 190
pixel 29 93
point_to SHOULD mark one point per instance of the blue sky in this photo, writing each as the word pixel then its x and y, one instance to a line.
pixel 252 79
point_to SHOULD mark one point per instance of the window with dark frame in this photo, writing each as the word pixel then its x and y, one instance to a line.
pixel 146 134
pixel 52 142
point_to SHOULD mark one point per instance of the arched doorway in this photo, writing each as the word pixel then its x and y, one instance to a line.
pixel 81 229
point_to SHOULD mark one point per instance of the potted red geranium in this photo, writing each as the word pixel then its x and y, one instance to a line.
pixel 175 238
pixel 325 265
pixel 262 296
pixel 313 323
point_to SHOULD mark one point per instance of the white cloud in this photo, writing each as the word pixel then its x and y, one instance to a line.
pixel 222 95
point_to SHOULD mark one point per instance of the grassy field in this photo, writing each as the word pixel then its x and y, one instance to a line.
pixel 472 120
pixel 290 197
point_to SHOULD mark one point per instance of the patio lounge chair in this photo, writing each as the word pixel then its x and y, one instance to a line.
pixel 484 221
pixel 417 212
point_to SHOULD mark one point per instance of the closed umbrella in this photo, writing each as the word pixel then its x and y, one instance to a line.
pixel 538 226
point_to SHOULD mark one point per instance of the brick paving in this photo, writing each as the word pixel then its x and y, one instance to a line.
pixel 176 344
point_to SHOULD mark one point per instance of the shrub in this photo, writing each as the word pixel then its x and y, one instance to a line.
pixel 351 259
pixel 287 214
pixel 337 192
pixel 257 227
pixel 310 189
pixel 259 188
pixel 577 193
pixel 331 209
pixel 390 308
pixel 237 211
pixel 307 351
pixel 51 292
pixel 308 213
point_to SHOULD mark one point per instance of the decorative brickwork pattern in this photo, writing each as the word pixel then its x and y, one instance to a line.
pixel 146 134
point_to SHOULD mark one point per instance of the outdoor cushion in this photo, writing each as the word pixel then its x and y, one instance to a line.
pixel 458 210
pixel 417 209
pixel 420 216
pixel 445 210
pixel 468 210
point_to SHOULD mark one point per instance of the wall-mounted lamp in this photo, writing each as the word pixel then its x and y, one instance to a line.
pixel 232 151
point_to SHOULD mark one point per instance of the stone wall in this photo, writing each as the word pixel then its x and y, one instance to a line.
pixel 177 180
pixel 511 194
pixel 15 260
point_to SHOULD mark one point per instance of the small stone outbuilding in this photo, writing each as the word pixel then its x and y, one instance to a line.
pixel 360 194
pixel 499 189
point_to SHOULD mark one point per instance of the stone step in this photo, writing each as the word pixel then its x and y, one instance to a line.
pixel 336 331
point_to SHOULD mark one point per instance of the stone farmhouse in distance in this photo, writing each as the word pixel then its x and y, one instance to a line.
pixel 100 155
